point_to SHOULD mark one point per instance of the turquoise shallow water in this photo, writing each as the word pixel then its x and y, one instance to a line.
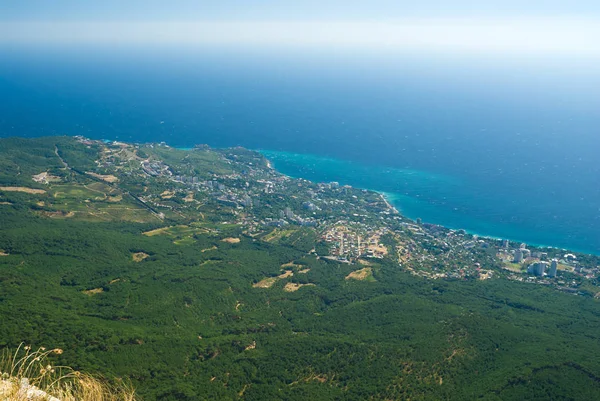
pixel 435 198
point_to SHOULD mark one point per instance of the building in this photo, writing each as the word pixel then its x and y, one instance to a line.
pixel 246 201
pixel 538 268
pixel 309 206
pixel 288 213
pixel 518 256
pixel 553 268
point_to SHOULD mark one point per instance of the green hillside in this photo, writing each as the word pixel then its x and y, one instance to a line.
pixel 191 298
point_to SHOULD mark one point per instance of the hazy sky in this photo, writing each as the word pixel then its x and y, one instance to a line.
pixel 508 26
pixel 289 9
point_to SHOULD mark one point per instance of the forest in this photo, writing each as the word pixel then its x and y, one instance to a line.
pixel 206 311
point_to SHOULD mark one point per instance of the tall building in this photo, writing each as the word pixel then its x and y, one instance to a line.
pixel 541 268
pixel 538 268
pixel 246 201
pixel 553 268
pixel 518 256
pixel 288 213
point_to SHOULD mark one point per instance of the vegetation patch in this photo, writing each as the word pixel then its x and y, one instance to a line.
pixel 94 291
pixel 179 232
pixel 23 189
pixel 513 267
pixel 291 264
pixel 276 235
pixel 59 214
pixel 115 199
pixel 157 231
pixel 293 287
pixel 108 177
pixel 286 274
pixel 265 283
pixel 167 194
pixel 184 241
pixel 362 274
pixel 139 256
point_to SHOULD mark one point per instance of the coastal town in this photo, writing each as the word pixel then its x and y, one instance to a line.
pixel 340 223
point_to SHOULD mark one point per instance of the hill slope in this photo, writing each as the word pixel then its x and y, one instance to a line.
pixel 129 260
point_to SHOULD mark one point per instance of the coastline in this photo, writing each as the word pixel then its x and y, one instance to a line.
pixel 388 198
pixel 384 197
pixel 390 203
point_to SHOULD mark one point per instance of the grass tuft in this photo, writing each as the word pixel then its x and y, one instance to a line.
pixel 28 375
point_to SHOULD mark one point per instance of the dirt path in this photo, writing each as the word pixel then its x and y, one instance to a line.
pixel 64 163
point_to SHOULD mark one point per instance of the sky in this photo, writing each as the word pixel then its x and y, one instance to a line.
pixel 289 9
pixel 460 26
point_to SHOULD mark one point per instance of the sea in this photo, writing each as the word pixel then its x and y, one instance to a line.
pixel 506 147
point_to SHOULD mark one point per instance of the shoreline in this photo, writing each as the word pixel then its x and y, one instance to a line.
pixel 386 197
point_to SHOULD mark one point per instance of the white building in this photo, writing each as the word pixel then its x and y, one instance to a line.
pixel 518 256
pixel 553 268
pixel 538 268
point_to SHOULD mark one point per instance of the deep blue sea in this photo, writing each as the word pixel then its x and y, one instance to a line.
pixel 505 148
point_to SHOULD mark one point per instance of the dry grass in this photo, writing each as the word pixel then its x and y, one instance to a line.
pixel 27 375
pixel 23 189
pixel 167 195
pixel 93 291
pixel 231 240
pixel 361 274
pixel 293 287
pixel 286 274
pixel 265 283
pixel 115 199
pixel 139 256
pixel 108 178
pixel 212 248
pixel 162 230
